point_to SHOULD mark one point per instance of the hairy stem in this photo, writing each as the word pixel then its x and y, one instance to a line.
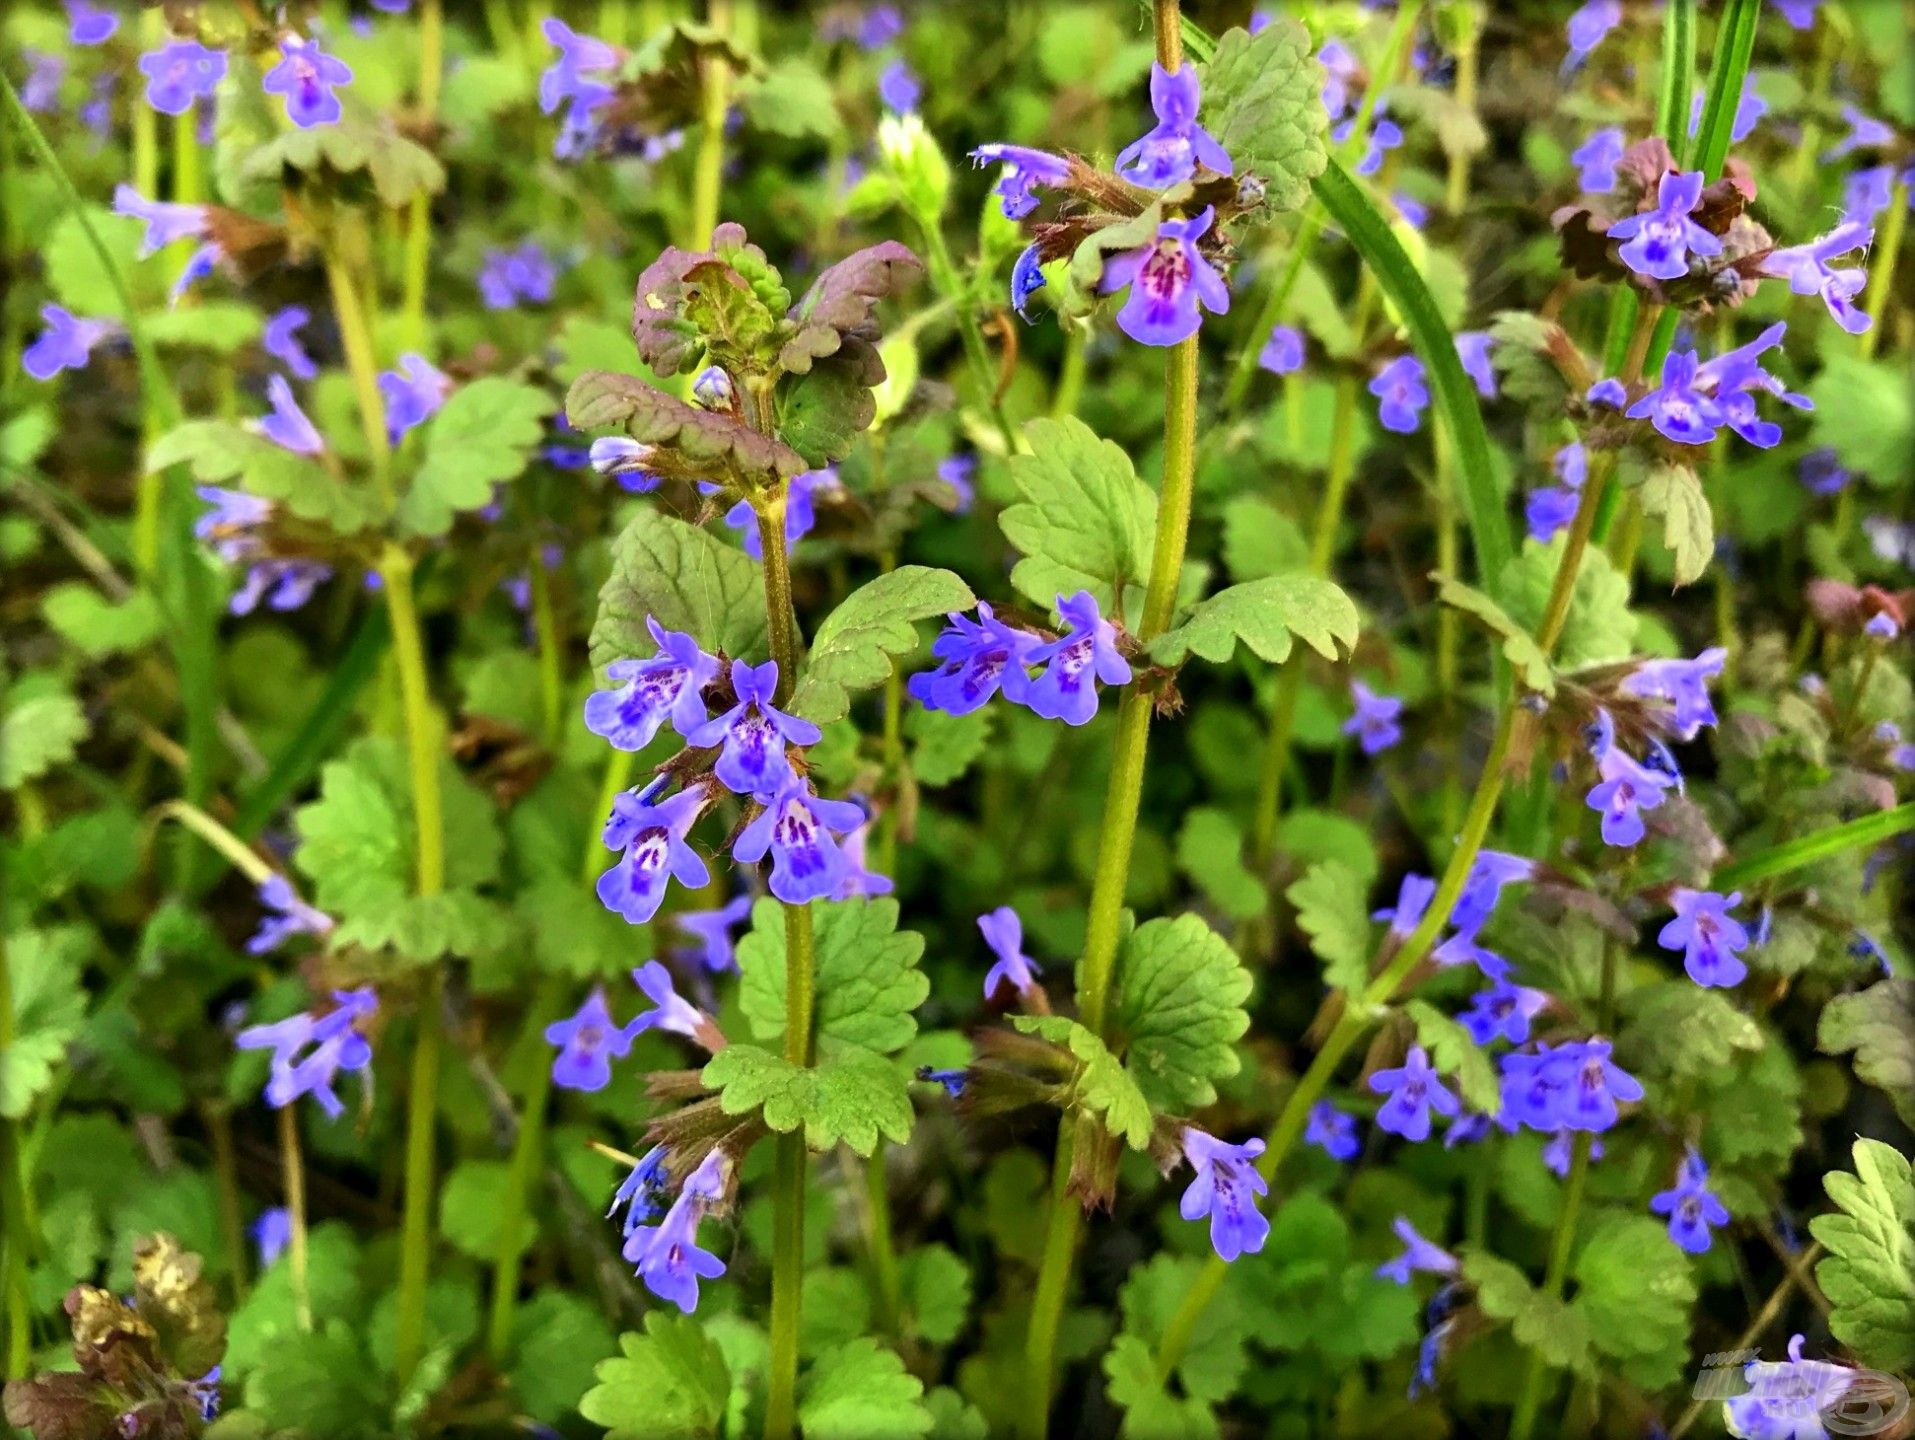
pixel 528 1154
pixel 232 1221
pixel 292 1170
pixel 412 328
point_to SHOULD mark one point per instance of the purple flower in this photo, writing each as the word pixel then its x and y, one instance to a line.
pixel 272 1232
pixel 898 88
pixel 180 72
pixel 1401 394
pixel 281 341
pixel 668 1258
pixel 1170 152
pixel 1333 1130
pixel 711 929
pixel 976 656
pixel 1660 241
pixel 164 223
pixel 796 827
pixel 1731 377
pixel 1024 170
pixel 652 838
pixel 1490 872
pixel 291 916
pixel 669 1011
pixel 1503 1011
pixel 712 388
pixel 1552 508
pixel 668 685
pixel 97 113
pixel 1004 933
pixel 878 27
pixel 1375 721
pixel 1587 29
pixel 1684 684
pixel 306 75
pixel 1787 1398
pixel 1590 1085
pixel 640 1193
pixel 1749 110
pixel 859 880
pixel 1168 280
pixel 951 1080
pixel 1463 949
pixel 46 72
pixel 754 734
pixel 1608 392
pixel 960 473
pixel 1865 133
pixel 1342 71
pixel 564 79
pixel 800 512
pixel 1625 787
pixel 1808 272
pixel 1677 409
pixel 88 24
pixel 1415 214
pixel 1560 1153
pixel 1226 1188
pixel 1799 13
pixel 1867 194
pixel 66 343
pixel 624 458
pixel 1064 688
pixel 1385 134
pixel 1027 278
pixel 1472 348
pixel 413 394
pixel 1282 353
pixel 1709 937
pixel 1691 1208
pixel 521 274
pixel 287 425
pixel 282 584
pixel 1598 156
pixel 1418 1254
pixel 588 1042
pixel 1413 898
pixel 309 1052
pixel 1414 1091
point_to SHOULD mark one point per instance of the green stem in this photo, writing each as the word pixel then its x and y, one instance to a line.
pixel 545 628
pixel 528 1154
pixel 293 1177
pixel 709 169
pixel 1678 75
pixel 950 283
pixel 1119 829
pixel 15 1236
pixel 232 1221
pixel 884 1255
pixel 412 327
pixel 1070 377
pixel 1881 274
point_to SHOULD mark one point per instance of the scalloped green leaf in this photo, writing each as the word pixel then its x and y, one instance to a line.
pixel 856 643
pixel 865 975
pixel 1262 99
pixel 484 435
pixel 670 1383
pixel 1102 1085
pixel 706 442
pixel 686 579
pixel 219 453
pixel 1085 521
pixel 1519 646
pixel 1331 910
pixel 1180 996
pixel 1869 1272
pixel 1265 615
pixel 853 1098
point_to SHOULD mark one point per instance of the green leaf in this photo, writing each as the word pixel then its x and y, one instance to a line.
pixel 854 645
pixel 1331 911
pixel 219 453
pixel 1260 541
pixel 668 1384
pixel 1600 626
pixel 1863 411
pixel 470 1216
pixel 222 327
pixel 835 316
pixel 1085 521
pixel 1554 1330
pixel 1180 997
pixel 1209 851
pixel 861 1391
pixel 1875 1023
pixel 936 1286
pixel 944 746
pixel 485 434
pixel 1151 1412
pixel 1304 1292
pixel 1635 1289
pixel 398 168
pixel 36 733
pixel 1264 615
pixel 1101 1085
pixel 1262 99
pixel 853 1098
pixel 1214 1358
pixel 325 1384
pixel 1525 352
pixel 685 579
pixel 1688 528
pixel 558 1343
pixel 1453 1052
pixel 96 626
pixel 703 442
pixel 1869 1272
pixel 1679 1030
pixel 1519 646
pixel 49 1007
pixel 792 99
pixel 822 412
pixel 865 970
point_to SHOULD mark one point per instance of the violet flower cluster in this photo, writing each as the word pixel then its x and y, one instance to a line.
pixel 978 658
pixel 310 1051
